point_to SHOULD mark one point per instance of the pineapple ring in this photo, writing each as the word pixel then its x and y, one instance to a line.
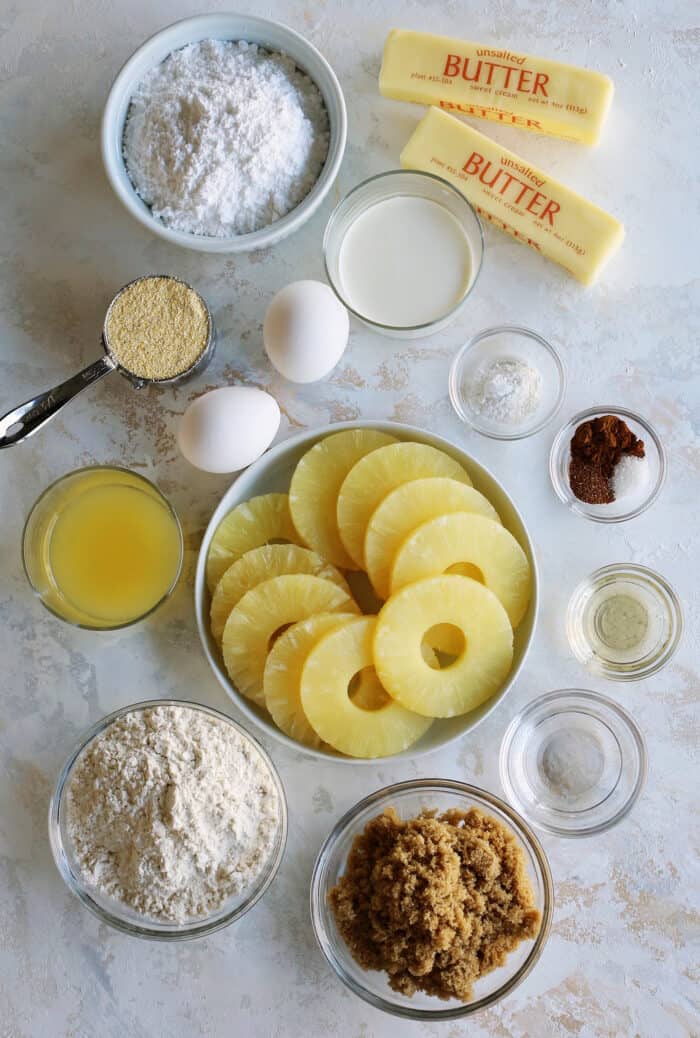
pixel 380 472
pixel 336 718
pixel 313 492
pixel 407 507
pixel 261 612
pixel 270 560
pixel 453 540
pixel 282 678
pixel 252 523
pixel 479 671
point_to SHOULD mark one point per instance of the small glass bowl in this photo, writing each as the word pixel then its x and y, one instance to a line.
pixel 392 184
pixel 38 529
pixel 652 601
pixel 409 799
pixel 507 342
pixel 114 912
pixel 573 762
pixel 626 507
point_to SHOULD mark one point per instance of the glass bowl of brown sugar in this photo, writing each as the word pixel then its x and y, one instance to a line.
pixel 607 464
pixel 380 899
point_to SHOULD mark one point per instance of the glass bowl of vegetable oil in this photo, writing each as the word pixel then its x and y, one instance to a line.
pixel 624 622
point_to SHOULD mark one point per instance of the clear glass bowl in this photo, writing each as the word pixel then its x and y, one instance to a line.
pixel 650 602
pixel 507 342
pixel 573 762
pixel 121 916
pixel 38 530
pixel 409 799
pixel 626 507
pixel 380 188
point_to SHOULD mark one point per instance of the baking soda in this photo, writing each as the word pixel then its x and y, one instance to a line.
pixel 506 391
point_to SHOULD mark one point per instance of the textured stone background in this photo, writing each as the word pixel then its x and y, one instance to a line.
pixel 619 961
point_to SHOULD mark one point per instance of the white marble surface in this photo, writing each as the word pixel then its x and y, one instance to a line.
pixel 619 960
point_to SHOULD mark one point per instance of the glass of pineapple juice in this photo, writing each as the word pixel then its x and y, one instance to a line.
pixel 102 547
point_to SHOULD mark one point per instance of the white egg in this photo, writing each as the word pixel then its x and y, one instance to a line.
pixel 229 428
pixel 305 331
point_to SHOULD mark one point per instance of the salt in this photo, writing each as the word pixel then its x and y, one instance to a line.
pixel 630 476
pixel 224 138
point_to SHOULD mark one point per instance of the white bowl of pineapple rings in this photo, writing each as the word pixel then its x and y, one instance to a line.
pixel 366 591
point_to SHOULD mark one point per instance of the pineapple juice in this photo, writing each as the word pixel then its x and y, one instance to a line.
pixel 103 547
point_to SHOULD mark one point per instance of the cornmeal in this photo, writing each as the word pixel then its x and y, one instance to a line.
pixel 157 327
pixel 435 901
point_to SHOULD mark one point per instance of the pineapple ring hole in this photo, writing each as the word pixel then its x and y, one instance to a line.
pixel 466 569
pixel 442 645
pixel 363 592
pixel 276 634
pixel 366 692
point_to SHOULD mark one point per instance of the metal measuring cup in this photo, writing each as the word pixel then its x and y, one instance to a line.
pixel 26 419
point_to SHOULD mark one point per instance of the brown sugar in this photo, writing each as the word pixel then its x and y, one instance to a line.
pixel 435 901
pixel 596 448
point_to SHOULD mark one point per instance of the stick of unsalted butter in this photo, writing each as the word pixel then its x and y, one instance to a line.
pixel 486 83
pixel 515 196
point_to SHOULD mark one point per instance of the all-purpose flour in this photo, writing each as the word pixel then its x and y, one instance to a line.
pixel 171 811
pixel 225 138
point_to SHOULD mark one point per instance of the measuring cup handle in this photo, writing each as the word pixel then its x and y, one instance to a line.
pixel 29 417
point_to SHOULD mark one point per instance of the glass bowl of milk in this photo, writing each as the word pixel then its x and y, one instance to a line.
pixel 403 251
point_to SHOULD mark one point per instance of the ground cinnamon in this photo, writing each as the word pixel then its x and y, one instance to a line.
pixel 596 448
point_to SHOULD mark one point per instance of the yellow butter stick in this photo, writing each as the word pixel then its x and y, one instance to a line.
pixel 515 196
pixel 491 83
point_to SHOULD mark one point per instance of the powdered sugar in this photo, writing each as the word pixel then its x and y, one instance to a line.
pixel 225 138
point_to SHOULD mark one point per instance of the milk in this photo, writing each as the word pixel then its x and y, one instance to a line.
pixel 404 261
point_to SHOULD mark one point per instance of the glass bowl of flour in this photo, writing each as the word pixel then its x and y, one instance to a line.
pixel 224 132
pixel 168 820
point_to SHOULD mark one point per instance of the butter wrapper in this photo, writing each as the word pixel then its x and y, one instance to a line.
pixel 515 196
pixel 505 86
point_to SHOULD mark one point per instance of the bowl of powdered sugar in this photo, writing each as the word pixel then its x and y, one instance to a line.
pixel 168 821
pixel 224 133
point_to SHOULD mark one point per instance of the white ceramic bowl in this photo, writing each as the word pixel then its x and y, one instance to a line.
pixel 272 473
pixel 271 35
